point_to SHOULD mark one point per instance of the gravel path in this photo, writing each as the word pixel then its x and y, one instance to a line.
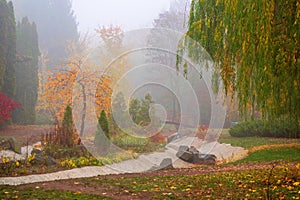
pixel 224 153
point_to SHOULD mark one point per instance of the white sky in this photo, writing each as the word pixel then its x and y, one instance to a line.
pixel 129 14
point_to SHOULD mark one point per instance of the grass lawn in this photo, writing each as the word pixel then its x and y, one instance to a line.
pixel 251 142
pixel 289 154
pixel 10 192
pixel 281 182
pixel 235 185
pixel 262 149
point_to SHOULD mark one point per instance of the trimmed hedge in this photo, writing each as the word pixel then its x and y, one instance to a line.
pixel 276 128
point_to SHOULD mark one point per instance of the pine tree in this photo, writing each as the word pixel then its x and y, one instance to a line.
pixel 101 139
pixel 26 72
pixel 103 123
pixel 134 110
pixel 119 109
pixel 145 109
pixel 56 26
pixel 67 123
pixel 7 49
pixel 3 40
pixel 139 110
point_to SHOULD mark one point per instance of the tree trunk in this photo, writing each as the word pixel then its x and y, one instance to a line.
pixel 83 115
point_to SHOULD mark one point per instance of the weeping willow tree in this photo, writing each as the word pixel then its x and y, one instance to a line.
pixel 255 46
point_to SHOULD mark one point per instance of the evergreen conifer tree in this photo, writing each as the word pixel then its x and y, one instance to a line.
pixel 7 49
pixel 67 123
pixel 26 72
pixel 103 123
pixel 101 139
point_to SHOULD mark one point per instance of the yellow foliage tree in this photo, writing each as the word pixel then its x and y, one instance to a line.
pixel 74 84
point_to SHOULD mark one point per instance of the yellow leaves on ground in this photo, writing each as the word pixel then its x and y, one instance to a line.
pixel 296 183
pixel 272 146
pixel 173 187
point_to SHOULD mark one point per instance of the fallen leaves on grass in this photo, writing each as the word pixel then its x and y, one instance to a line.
pixel 273 146
pixel 282 182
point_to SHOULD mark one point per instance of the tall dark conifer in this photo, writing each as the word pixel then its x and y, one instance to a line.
pixel 67 123
pixel 3 40
pixel 26 72
pixel 56 26
pixel 7 49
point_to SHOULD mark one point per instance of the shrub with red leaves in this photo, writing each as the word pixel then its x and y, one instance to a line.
pixel 158 138
pixel 202 131
pixel 7 105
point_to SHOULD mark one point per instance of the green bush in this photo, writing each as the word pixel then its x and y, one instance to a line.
pixel 102 136
pixel 127 140
pixel 280 128
pixel 103 122
pixel 139 110
pixel 67 123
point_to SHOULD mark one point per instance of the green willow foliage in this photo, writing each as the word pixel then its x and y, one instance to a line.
pixel 255 46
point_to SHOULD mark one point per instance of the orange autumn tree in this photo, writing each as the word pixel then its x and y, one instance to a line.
pixel 72 84
pixel 103 95
pixel 75 81
pixel 57 92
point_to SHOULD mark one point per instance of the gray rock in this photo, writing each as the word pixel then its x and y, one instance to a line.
pixel 206 159
pixel 8 144
pixel 165 164
pixel 192 155
pixel 36 152
pixel 44 160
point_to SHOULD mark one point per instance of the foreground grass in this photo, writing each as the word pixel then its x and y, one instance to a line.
pixel 264 149
pixel 280 182
pixel 252 142
pixel 289 154
pixel 9 192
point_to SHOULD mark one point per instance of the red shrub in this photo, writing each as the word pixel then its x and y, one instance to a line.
pixel 158 138
pixel 7 105
pixel 202 130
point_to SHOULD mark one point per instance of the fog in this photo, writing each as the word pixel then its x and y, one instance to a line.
pixel 129 14
pixel 144 59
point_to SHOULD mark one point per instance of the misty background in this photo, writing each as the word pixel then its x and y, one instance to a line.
pixel 64 29
pixel 131 14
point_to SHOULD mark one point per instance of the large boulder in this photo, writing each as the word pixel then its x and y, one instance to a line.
pixel 165 164
pixel 192 155
pixel 41 159
pixel 8 144
pixel 184 154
